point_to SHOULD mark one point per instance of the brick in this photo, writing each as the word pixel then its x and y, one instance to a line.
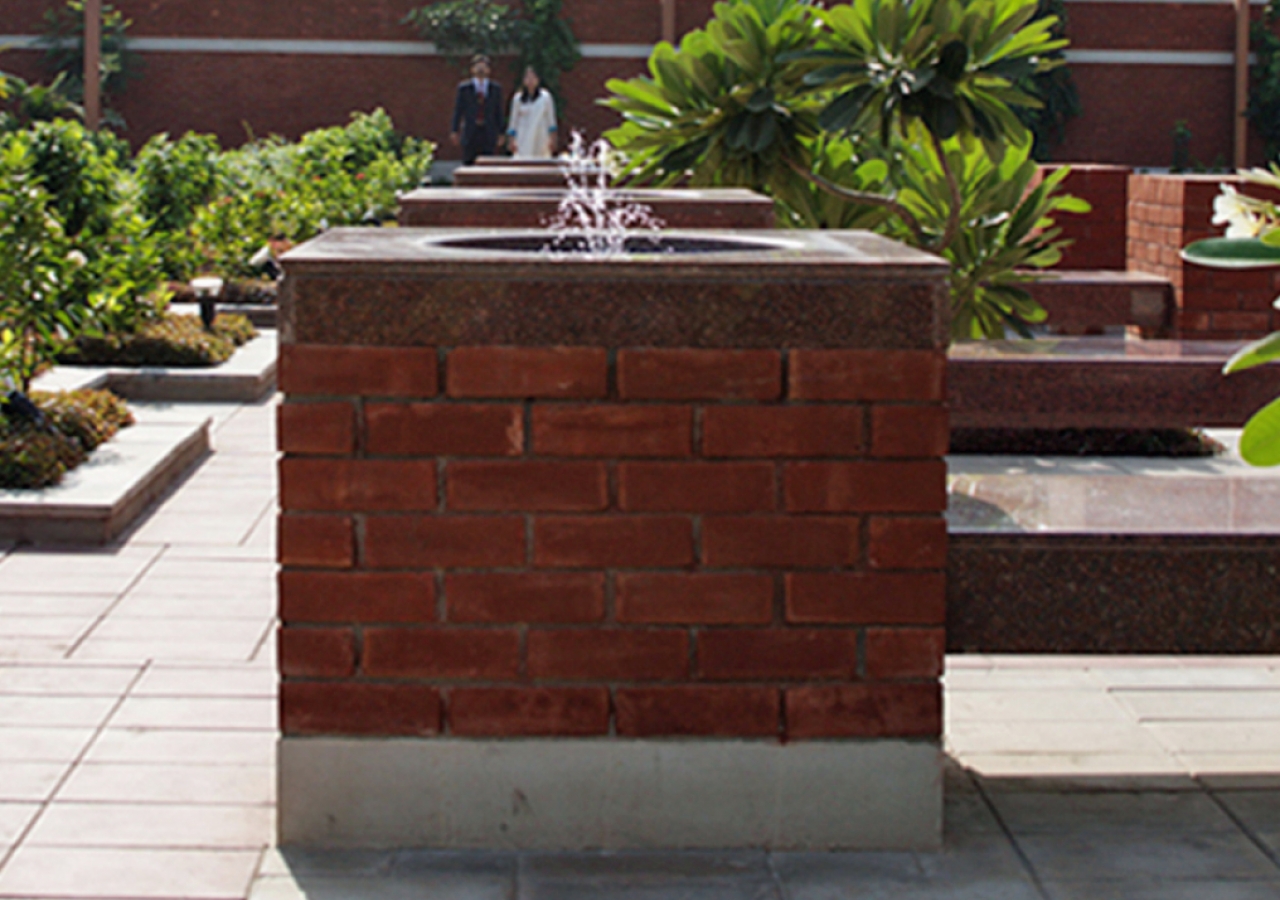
pixel 694 599
pixel 608 655
pixel 613 431
pixel 905 652
pixel 866 487
pixel 424 542
pixel 696 487
pixel 528 712
pixel 316 428
pixel 316 652
pixel 357 485
pixel 867 598
pixel 910 432
pixel 686 374
pixel 612 541
pixel 525 597
pixel 864 710
pixel 346 708
pixel 782 431
pixel 780 541
pixel 907 543
pixel 1253 323
pixel 357 597
pixel 527 486
pixel 519 372
pixel 318 542
pixel 444 429
pixel 470 653
pixel 868 375
pixel 362 371
pixel 720 711
pixel 791 654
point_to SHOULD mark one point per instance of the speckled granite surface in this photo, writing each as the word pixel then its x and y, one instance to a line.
pixel 534 207
pixel 401 287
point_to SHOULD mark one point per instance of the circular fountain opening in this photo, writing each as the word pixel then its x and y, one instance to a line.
pixel 580 244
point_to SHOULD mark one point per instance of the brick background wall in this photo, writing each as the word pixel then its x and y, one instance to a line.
pixel 1167 212
pixel 500 541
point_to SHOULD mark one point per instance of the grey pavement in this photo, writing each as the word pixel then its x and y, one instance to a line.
pixel 137 729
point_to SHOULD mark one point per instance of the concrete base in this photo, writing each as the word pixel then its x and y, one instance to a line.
pixel 578 794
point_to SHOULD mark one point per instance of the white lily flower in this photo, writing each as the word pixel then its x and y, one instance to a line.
pixel 1239 213
pixel 1268 177
pixel 77 259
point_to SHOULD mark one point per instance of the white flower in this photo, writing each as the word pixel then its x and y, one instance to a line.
pixel 1239 213
pixel 1268 177
pixel 77 259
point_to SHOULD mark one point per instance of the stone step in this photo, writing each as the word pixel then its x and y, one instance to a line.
pixel 1112 555
pixel 1102 382
pixel 1091 301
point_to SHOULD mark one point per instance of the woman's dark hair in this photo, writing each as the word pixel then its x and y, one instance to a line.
pixel 525 96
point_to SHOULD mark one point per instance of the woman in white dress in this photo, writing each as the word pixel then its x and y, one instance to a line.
pixel 532 125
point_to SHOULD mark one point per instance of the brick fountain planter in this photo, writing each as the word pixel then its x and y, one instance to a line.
pixel 631 552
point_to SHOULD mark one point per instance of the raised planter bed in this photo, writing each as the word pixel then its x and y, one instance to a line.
pixel 101 498
pixel 248 375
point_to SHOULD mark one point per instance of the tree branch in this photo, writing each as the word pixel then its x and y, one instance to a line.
pixel 953 217
pixel 867 197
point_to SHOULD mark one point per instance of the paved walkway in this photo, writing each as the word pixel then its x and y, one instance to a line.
pixel 137 725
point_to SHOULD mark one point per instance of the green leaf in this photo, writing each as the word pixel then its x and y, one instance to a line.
pixel 1260 440
pixel 1232 253
pixel 1253 354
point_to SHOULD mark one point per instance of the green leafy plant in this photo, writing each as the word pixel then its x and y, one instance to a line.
pixel 22 103
pixel 63 40
pixel 1252 241
pixel 1055 89
pixel 460 28
pixel 1264 79
pixel 176 178
pixel 178 341
pixel 34 258
pixel 900 110
pixel 546 42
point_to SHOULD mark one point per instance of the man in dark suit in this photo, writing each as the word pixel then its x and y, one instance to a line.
pixel 479 119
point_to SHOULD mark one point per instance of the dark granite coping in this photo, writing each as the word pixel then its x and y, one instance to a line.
pixel 414 251
pixel 483 195
pixel 1102 348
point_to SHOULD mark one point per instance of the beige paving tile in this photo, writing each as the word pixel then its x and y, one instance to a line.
pixel 1045 812
pixel 216 713
pixel 68 824
pixel 43 711
pixel 28 744
pixel 1094 706
pixel 29 782
pixel 1201 705
pixel 1222 738
pixel 38 604
pixel 128 873
pixel 219 681
pixel 14 819
pixel 180 630
pixel 58 628
pixel 170 783
pixel 961 679
pixel 32 649
pixel 1085 738
pixel 136 745
pixel 158 649
pixel 1101 856
pixel 53 572
pixel 67 679
pixel 1188 677
pixel 257 609
pixel 196 528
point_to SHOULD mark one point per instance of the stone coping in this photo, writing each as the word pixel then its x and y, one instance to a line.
pixel 1080 301
pixel 250 374
pixel 1102 383
pixel 512 176
pixel 408 287
pixel 533 207
pixel 102 497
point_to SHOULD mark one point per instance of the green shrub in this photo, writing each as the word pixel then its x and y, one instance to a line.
pixel 176 341
pixel 176 178
pixel 79 422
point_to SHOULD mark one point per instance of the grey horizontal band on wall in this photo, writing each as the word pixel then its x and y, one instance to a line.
pixel 287 47
pixel 290 47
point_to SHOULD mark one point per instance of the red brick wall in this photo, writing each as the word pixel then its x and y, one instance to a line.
pixel 500 541
pixel 1099 235
pixel 1167 212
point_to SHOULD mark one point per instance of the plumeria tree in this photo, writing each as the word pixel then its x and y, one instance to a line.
pixel 1252 241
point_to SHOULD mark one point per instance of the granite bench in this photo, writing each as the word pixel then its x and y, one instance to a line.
pixel 1089 302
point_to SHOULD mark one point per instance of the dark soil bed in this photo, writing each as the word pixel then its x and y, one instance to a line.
pixel 235 290
pixel 37 452
pixel 177 341
pixel 1083 442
